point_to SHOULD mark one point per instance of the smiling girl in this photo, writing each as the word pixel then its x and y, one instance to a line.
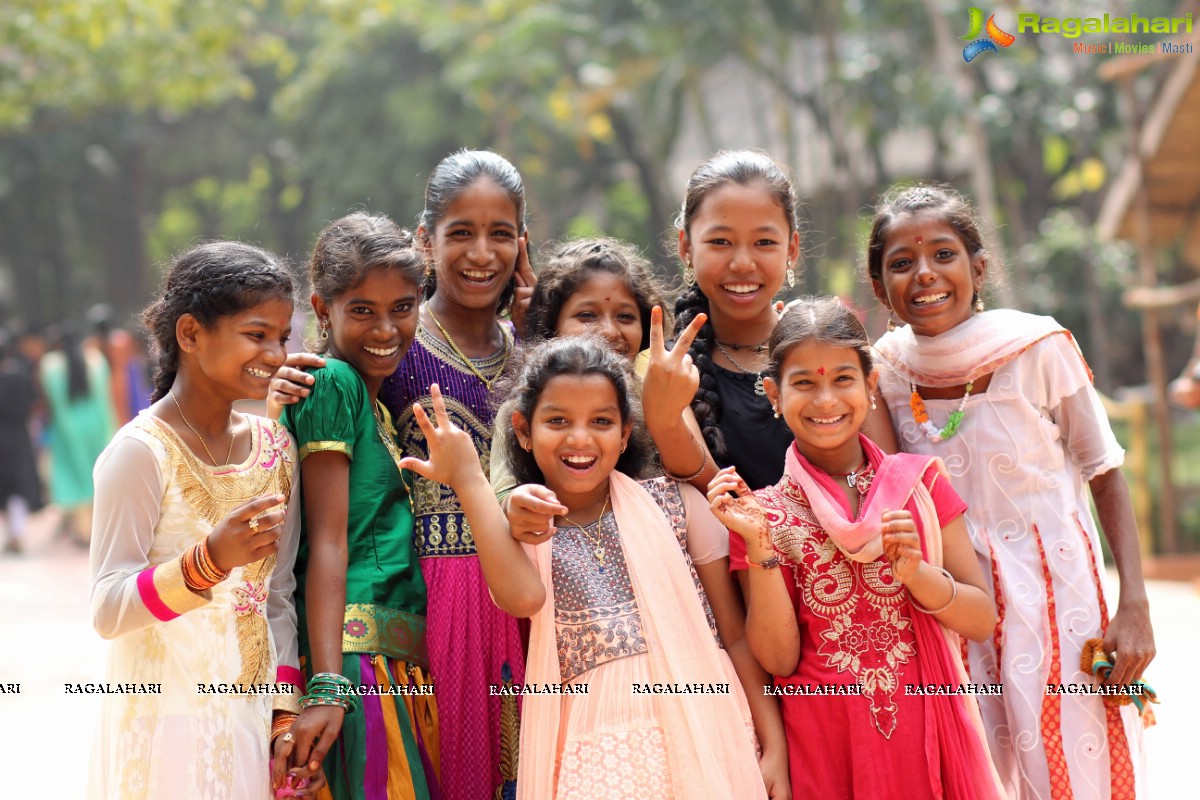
pixel 362 597
pixel 1006 400
pixel 192 554
pixel 861 581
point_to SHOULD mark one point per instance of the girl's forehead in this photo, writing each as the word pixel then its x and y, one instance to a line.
pixel 927 224
pixel 752 203
pixel 577 390
pixel 813 354
pixel 482 197
pixel 601 282
pixel 272 306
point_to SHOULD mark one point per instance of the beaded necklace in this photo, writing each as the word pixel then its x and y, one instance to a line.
pixel 921 416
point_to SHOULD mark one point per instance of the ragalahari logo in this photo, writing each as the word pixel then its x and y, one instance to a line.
pixel 979 44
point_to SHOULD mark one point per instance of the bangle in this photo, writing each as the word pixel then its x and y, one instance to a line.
pixel 281 724
pixel 199 572
pixel 770 563
pixel 330 689
pixel 694 475
pixel 953 595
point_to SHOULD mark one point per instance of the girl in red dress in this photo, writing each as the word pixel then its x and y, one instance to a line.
pixel 862 580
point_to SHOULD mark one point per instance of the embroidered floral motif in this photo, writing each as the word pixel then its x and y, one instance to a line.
pixel 624 765
pixel 356 628
pixel 860 610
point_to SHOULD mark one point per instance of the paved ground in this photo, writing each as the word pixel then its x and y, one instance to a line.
pixel 46 640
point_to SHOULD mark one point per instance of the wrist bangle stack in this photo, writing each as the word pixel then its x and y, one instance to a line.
pixel 330 689
pixel 694 475
pixel 281 724
pixel 199 572
pixel 950 602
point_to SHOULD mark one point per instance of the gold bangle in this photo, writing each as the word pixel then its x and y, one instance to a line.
pixel 694 475
pixel 950 602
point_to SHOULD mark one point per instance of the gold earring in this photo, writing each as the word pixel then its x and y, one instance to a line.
pixel 891 325
pixel 978 304
pixel 428 268
pixel 689 274
pixel 776 410
pixel 791 276
pixel 873 406
pixel 324 329
pixel 623 448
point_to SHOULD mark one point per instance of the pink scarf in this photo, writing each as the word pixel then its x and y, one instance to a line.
pixel 966 352
pixel 710 754
pixel 956 751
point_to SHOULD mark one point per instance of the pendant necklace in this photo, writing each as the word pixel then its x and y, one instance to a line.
pixel 759 388
pixel 208 452
pixel 598 551
pixel 470 364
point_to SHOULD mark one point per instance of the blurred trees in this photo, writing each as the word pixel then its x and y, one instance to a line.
pixel 130 128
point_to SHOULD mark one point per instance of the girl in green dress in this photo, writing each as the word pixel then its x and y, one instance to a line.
pixel 361 597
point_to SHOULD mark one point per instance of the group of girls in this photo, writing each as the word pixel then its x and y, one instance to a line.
pixel 424 525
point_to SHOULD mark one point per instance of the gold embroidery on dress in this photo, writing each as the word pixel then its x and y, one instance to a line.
pixel 213 496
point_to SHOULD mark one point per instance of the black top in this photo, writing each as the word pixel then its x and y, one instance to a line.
pixel 757 442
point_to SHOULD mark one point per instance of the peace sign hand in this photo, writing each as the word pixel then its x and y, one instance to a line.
pixel 452 454
pixel 671 377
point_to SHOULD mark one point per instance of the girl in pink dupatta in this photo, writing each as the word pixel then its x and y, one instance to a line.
pixel 862 581
pixel 628 693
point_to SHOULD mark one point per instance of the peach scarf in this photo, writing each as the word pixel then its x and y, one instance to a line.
pixel 710 752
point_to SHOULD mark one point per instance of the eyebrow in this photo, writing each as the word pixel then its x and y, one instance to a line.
pixel 604 410
pixel 939 239
pixel 466 223
pixel 791 373
pixel 759 229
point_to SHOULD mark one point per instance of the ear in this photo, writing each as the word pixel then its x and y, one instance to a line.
pixel 521 430
pixel 424 241
pixel 626 432
pixel 187 332
pixel 320 307
pixel 880 292
pixel 772 388
pixel 794 249
pixel 978 269
pixel 684 247
pixel 872 381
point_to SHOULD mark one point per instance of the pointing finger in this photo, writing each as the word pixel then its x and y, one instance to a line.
pixel 684 342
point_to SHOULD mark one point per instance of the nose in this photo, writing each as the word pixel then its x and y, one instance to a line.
pixel 925 272
pixel 577 435
pixel 825 395
pixel 606 326
pixel 276 354
pixel 481 250
pixel 742 261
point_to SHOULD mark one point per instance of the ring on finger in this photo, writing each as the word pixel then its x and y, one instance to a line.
pixel 254 524
pixel 287 737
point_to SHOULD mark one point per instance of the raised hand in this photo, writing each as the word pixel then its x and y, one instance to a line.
pixel 738 509
pixel 291 382
pixel 671 377
pixel 526 280
pixel 248 534
pixel 452 454
pixel 901 544
pixel 531 509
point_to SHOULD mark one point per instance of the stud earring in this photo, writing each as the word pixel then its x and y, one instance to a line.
pixel 791 276
pixel 979 308
pixel 891 325
pixel 689 274
pixel 623 447
pixel 527 447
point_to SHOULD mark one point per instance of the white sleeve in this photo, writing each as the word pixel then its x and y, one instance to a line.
pixel 1074 404
pixel 128 593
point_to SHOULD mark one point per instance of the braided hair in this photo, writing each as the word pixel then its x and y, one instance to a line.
pixel 741 167
pixel 209 281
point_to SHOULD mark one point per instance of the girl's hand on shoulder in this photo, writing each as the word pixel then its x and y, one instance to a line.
pixel 313 734
pixel 526 280
pixel 901 544
pixel 671 377
pixel 531 510
pixel 1131 639
pixel 291 382
pixel 452 454
pixel 248 534
pixel 737 508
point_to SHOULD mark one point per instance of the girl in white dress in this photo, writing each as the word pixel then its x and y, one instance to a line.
pixel 1006 400
pixel 192 552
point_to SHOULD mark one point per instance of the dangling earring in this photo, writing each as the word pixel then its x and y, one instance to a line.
pixel 791 276
pixel 689 274
pixel 891 326
pixel 324 329
pixel 978 304
pixel 776 410
pixel 428 268
pixel 873 406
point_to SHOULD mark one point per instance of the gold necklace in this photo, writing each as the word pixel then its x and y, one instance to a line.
pixel 470 364
pixel 383 426
pixel 232 437
pixel 598 547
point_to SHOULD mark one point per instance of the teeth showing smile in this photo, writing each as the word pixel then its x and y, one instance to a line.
pixel 828 420
pixel 579 461
pixel 478 275
pixel 258 373
pixel 742 288
pixel 930 298
pixel 382 352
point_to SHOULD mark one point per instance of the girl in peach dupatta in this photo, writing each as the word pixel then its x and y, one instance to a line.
pixel 849 598
pixel 628 692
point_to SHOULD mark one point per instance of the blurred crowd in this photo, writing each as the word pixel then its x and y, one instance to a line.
pixel 66 390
